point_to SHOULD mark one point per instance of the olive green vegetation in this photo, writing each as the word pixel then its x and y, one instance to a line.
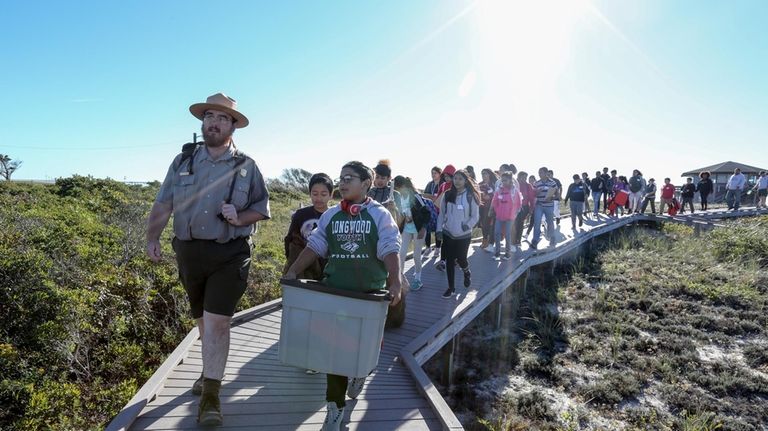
pixel 85 317
pixel 654 329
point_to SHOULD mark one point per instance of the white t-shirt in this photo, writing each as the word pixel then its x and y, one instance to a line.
pixel 736 182
pixel 762 183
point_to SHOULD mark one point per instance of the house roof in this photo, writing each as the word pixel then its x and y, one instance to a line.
pixel 725 167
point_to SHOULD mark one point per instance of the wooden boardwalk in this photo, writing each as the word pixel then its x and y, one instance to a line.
pixel 260 393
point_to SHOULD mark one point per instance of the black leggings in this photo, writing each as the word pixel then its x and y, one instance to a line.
pixel 428 240
pixel 517 233
pixel 336 389
pixel 704 203
pixel 486 224
pixel 455 251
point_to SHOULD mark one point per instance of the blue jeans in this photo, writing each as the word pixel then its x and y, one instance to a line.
pixel 507 224
pixel 733 198
pixel 547 212
pixel 596 198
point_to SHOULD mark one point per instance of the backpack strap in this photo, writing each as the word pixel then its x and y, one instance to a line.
pixel 239 160
pixel 188 151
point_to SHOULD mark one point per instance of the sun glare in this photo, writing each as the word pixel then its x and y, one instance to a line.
pixel 523 45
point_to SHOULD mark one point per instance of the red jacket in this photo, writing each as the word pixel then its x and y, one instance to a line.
pixel 668 191
pixel 529 195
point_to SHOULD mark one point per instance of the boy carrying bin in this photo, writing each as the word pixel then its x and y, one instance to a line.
pixel 361 241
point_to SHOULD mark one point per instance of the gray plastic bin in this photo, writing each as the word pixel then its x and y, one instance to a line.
pixel 331 330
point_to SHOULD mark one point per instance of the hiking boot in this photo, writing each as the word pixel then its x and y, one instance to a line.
pixel 333 417
pixel 209 410
pixel 355 387
pixel 467 277
pixel 448 293
pixel 197 387
pixel 440 265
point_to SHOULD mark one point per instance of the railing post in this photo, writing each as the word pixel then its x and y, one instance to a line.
pixel 497 314
pixel 447 357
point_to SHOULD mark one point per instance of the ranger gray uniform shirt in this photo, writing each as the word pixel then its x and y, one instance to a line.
pixel 196 199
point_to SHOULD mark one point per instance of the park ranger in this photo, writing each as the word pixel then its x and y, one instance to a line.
pixel 216 194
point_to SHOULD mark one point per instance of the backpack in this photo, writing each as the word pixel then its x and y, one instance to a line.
pixel 188 150
pixel 432 225
pixel 635 184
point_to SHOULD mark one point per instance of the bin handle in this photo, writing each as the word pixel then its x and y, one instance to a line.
pixel 317 286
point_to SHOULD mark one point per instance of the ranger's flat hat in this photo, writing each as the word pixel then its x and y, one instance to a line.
pixel 220 102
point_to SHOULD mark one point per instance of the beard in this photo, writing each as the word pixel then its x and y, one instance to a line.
pixel 215 136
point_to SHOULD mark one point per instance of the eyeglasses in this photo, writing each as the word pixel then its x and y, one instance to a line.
pixel 217 118
pixel 347 178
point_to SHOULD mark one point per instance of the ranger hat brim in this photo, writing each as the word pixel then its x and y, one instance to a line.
pixel 220 102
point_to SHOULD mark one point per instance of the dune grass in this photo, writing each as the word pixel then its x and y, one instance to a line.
pixel 656 329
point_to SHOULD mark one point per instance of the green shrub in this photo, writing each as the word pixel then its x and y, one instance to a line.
pixel 85 317
pixel 613 388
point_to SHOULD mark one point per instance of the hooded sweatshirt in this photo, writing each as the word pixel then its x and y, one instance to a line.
pixel 506 203
pixel 465 211
pixel 355 246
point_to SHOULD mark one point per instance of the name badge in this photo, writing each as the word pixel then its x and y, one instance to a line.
pixel 243 172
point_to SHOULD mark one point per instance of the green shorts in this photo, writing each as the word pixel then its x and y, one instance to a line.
pixel 214 275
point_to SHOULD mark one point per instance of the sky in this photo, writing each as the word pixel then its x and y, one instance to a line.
pixel 103 88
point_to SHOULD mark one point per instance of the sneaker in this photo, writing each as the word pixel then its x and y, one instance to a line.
pixel 197 387
pixel 440 265
pixel 333 417
pixel 467 278
pixel 209 411
pixel 497 256
pixel 355 386
pixel 416 285
pixel 448 293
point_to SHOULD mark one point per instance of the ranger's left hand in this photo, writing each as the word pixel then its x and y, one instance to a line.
pixel 230 213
